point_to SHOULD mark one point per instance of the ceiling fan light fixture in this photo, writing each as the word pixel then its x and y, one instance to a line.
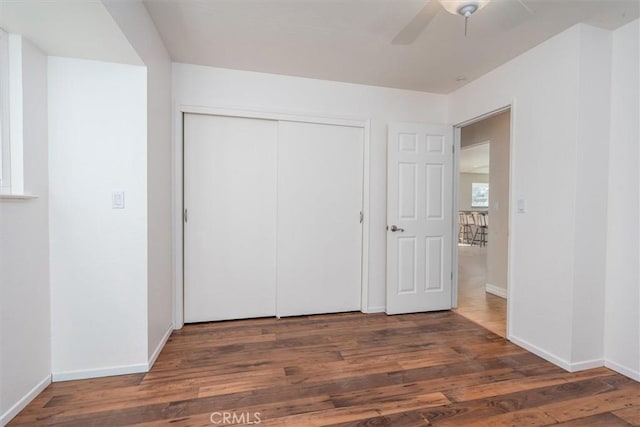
pixel 464 8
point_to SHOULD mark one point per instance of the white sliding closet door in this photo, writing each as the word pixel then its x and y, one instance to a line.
pixel 319 240
pixel 230 230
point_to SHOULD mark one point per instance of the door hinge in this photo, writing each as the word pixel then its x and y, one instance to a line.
pixel 453 149
pixel 452 275
pixel 186 216
pixel 361 217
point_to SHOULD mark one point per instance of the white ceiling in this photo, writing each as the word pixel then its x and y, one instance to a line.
pixel 475 159
pixel 350 40
pixel 71 28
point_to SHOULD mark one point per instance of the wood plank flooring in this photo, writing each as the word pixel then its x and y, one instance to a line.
pixel 474 303
pixel 350 369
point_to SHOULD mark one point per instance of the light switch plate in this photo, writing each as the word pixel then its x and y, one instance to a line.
pixel 117 200
pixel 521 206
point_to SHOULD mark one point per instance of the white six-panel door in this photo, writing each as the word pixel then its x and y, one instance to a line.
pixel 319 230
pixel 273 218
pixel 230 229
pixel 419 217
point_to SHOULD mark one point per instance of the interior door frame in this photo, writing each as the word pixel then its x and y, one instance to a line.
pixel 178 188
pixel 456 183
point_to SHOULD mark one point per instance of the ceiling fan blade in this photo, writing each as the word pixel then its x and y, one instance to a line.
pixel 508 15
pixel 418 24
pixel 527 8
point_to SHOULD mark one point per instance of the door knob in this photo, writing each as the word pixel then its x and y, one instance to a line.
pixel 395 228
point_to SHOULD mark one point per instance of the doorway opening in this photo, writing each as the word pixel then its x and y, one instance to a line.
pixel 483 220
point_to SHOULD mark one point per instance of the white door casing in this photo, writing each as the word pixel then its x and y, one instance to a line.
pixel 420 209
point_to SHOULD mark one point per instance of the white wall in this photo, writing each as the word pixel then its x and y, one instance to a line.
pixel 549 85
pixel 464 188
pixel 25 355
pixel 205 86
pixel 622 327
pixel 133 19
pixel 97 140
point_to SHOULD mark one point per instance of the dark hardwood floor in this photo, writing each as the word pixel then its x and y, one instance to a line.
pixel 343 370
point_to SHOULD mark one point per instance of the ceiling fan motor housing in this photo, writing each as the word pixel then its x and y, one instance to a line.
pixel 468 8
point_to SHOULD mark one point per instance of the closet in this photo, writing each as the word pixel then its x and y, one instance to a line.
pixel 272 217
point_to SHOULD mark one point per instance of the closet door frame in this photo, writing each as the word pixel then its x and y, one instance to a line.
pixel 178 189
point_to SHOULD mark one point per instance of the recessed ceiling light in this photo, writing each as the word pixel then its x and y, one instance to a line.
pixel 461 78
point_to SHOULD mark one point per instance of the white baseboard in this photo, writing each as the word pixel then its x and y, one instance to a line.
pixel 627 372
pixel 558 361
pixel 101 372
pixel 24 401
pixel 586 364
pixel 378 309
pixel 495 290
pixel 159 348
pixel 115 370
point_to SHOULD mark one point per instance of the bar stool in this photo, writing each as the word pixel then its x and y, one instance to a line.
pixel 465 232
pixel 481 231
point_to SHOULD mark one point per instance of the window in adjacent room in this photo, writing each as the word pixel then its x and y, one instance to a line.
pixel 480 195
